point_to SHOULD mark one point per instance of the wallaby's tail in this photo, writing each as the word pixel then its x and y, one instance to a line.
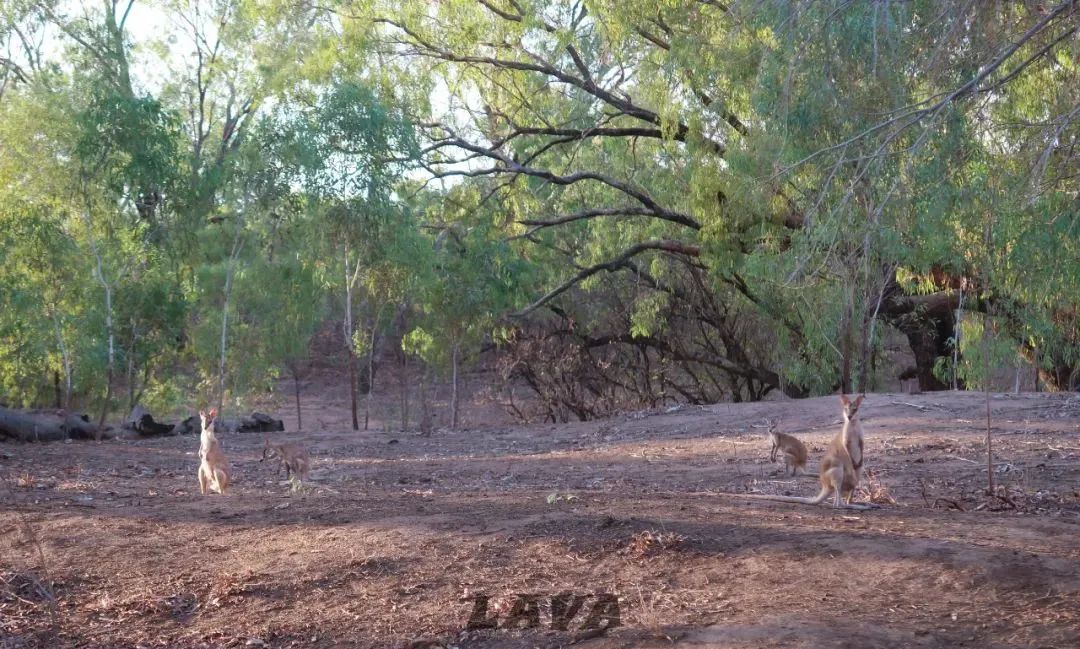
pixel 816 500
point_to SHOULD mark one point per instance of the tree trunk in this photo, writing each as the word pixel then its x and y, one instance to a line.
pixel 988 240
pixel 869 325
pixel 926 340
pixel 350 277
pixel 1035 364
pixel 454 353
pixel 99 272
pixel 959 318
pixel 845 344
pixel 112 354
pixel 296 389
pixel 404 391
pixel 370 379
pixel 65 361
pixel 352 391
pixel 425 405
pixel 131 372
pixel 233 255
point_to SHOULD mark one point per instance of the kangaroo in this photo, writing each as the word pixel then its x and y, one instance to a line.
pixel 213 466
pixel 839 475
pixel 292 456
pixel 792 449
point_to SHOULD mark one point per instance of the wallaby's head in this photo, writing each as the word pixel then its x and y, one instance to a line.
pixel 772 424
pixel 269 451
pixel 850 407
pixel 209 420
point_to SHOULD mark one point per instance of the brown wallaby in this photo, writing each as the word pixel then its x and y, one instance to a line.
pixel 791 448
pixel 213 466
pixel 852 433
pixel 292 456
pixel 841 468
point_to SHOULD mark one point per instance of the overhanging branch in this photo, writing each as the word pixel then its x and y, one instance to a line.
pixel 617 263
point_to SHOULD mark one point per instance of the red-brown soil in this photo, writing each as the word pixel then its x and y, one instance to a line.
pixel 111 545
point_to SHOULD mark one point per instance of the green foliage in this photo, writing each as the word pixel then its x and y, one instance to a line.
pixel 978 352
pixel 798 167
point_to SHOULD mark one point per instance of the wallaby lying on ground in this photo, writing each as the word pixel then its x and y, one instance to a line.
pixel 791 448
pixel 841 468
pixel 292 456
pixel 213 466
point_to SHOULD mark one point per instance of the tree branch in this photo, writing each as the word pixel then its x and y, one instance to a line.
pixel 617 263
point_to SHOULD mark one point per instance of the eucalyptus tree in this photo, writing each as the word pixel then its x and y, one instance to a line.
pixel 349 148
pixel 794 153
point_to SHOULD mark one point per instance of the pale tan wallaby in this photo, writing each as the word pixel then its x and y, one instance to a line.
pixel 841 468
pixel 213 466
pixel 852 433
pixel 789 446
pixel 292 456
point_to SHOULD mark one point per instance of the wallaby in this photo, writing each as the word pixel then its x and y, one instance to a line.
pixel 213 467
pixel 852 434
pixel 838 475
pixel 292 456
pixel 792 449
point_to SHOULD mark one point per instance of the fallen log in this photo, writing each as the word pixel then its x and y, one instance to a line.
pixel 190 426
pixel 147 427
pixel 23 427
pixel 80 427
pixel 260 423
pixel 256 423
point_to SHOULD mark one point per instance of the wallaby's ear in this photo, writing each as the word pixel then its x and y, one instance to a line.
pixel 202 414
pixel 213 413
pixel 844 400
pixel 858 400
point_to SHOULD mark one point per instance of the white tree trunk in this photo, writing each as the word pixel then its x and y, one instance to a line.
pixel 65 359
pixel 99 273
pixel 233 256
pixel 350 279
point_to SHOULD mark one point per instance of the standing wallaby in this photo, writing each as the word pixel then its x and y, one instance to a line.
pixel 839 475
pixel 852 434
pixel 292 456
pixel 792 449
pixel 213 467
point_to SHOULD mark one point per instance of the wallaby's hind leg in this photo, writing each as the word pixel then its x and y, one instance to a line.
pixel 833 479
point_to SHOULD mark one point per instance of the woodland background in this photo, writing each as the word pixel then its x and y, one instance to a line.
pixel 614 204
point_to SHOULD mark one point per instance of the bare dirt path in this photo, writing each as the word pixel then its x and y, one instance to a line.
pixel 110 545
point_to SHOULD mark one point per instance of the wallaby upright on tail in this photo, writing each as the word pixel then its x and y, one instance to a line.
pixel 852 434
pixel 841 468
pixel 213 466
pixel 791 448
pixel 292 456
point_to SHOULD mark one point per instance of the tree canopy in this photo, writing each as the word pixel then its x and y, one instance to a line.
pixel 626 203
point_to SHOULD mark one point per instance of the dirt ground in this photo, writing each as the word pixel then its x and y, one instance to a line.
pixel 110 544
